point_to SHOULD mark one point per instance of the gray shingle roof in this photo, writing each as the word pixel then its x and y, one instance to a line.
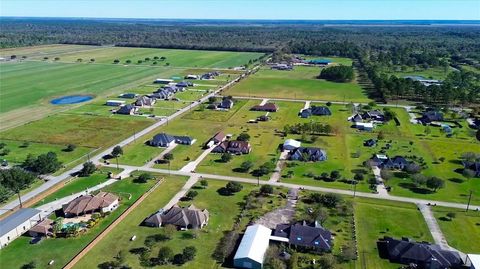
pixel 11 222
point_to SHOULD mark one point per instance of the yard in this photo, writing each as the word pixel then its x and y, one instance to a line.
pixel 375 219
pixel 222 216
pixel 61 250
pixel 463 231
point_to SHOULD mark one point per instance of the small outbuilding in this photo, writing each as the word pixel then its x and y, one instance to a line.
pixel 291 144
pixel 251 251
pixel 115 102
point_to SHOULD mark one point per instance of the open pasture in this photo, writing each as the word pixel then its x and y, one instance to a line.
pixel 300 83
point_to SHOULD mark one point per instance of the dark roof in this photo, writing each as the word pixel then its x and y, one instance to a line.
pixel 162 139
pixel 265 107
pixel 421 253
pixel 11 222
pixel 320 110
pixel 301 234
pixel 218 137
pixel 431 115
pixel 370 142
pixel 183 139
pixel 474 166
pixel 313 154
pixel 126 109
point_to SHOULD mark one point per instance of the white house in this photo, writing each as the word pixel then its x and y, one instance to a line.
pixel 291 144
pixel 251 251
pixel 190 76
pixel 18 223
pixel 364 126
pixel 115 102
pixel 473 260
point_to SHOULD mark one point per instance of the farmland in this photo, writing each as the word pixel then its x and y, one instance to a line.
pixel 300 83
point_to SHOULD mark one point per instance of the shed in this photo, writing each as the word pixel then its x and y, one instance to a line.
pixel 163 81
pixel 115 102
pixel 252 248
pixel 18 223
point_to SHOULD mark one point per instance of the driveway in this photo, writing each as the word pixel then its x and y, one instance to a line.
pixel 279 215
pixel 160 156
pixel 276 175
pixel 381 190
pixel 191 166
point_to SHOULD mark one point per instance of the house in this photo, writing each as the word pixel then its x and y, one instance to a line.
pixel 251 251
pixel 384 162
pixel 424 255
pixel 307 154
pixel 183 217
pixel 430 116
pixel 370 143
pixel 474 166
pixel 281 66
pixel 184 84
pixel 268 107
pixel 315 110
pixel 128 95
pixel 115 102
pixel 209 75
pixel 166 140
pixel 190 76
pixel 102 202
pixel 226 103
pixel 145 101
pixel 303 235
pixel 374 115
pixel 43 228
pixel 163 81
pixel 184 140
pixel 263 118
pixel 127 110
pixel 234 147
pixel 364 126
pixel 291 144
pixel 305 113
pixel 162 94
pixel 18 223
pixel 162 140
pixel 355 118
pixel 218 138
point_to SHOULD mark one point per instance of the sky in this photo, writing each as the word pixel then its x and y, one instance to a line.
pixel 248 9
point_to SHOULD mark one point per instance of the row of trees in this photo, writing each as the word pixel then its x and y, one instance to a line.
pixel 314 128
pixel 340 73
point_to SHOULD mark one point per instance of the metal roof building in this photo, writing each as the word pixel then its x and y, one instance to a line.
pixel 252 249
pixel 18 223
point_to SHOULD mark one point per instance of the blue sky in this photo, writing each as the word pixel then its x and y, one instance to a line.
pixel 248 9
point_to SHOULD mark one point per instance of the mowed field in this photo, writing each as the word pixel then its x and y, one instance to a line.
pixel 27 86
pixel 300 83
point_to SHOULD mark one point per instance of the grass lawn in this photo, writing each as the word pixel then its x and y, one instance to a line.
pixel 462 232
pixel 79 184
pixel 222 217
pixel 430 73
pixel 299 83
pixel 18 152
pixel 62 250
pixel 375 219
pixel 81 130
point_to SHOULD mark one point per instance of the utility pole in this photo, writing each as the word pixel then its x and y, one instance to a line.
pixel 354 188
pixel 116 158
pixel 258 180
pixel 469 199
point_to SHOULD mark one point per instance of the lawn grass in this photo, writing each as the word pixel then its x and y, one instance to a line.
pixel 61 250
pixel 468 240
pixel 79 184
pixel 299 83
pixel 80 130
pixel 430 73
pixel 375 219
pixel 222 216
pixel 18 152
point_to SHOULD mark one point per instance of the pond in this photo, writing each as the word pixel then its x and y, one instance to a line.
pixel 71 99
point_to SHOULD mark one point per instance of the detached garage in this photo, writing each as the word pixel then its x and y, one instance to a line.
pixel 254 244
pixel 18 223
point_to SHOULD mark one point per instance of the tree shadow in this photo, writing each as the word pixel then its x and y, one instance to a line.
pixel 413 188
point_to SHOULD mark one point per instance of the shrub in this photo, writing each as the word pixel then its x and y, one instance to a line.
pixel 234 187
pixel 87 169
pixel 226 157
pixel 144 177
pixel 266 189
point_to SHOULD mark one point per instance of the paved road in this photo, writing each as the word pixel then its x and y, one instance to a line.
pixel 313 188
pixel 96 159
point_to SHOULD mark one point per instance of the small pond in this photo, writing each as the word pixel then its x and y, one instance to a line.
pixel 71 99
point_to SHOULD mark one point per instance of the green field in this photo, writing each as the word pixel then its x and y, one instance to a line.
pixel 299 83
pixel 222 217
pixel 468 240
pixel 375 219
pixel 62 250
